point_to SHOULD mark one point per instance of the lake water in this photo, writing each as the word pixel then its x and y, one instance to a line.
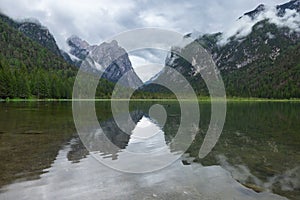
pixel 42 156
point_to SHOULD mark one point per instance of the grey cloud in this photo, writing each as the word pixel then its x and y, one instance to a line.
pixel 96 20
pixel 147 62
pixel 152 55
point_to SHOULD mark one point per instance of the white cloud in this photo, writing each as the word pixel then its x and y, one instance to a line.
pixel 243 26
pixel 291 19
pixel 240 28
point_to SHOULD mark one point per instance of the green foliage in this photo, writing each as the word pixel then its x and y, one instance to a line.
pixel 279 79
pixel 29 70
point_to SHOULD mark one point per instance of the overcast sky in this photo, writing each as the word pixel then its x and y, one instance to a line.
pixel 97 20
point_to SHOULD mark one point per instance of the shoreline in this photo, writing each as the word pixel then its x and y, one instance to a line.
pixel 204 99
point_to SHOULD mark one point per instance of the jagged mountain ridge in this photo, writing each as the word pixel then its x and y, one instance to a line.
pixel 252 14
pixel 109 58
pixel 281 9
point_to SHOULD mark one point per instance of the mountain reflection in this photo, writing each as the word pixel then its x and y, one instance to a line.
pixel 142 137
pixel 258 149
pixel 110 139
pixel 146 137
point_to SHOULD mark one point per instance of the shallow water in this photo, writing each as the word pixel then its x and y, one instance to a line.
pixel 42 157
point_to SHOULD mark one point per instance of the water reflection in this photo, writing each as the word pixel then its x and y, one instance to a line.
pixel 259 148
pixel 147 137
pixel 110 139
pixel 88 179
pixel 289 180
pixel 261 141
pixel 143 149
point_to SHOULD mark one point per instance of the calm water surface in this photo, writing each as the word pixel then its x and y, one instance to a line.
pixel 42 157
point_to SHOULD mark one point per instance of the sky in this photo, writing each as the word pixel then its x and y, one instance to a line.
pixel 97 20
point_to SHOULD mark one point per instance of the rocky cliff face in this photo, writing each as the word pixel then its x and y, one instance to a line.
pixel 78 47
pixel 39 34
pixel 109 58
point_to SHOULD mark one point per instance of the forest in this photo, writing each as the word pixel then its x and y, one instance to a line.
pixel 31 71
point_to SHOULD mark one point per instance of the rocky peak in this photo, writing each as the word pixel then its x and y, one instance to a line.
pixel 108 57
pixel 107 53
pixel 254 13
pixel 114 61
pixel 79 47
pixel 76 42
pixel 281 9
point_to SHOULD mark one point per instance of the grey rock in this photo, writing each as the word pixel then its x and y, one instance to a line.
pixel 109 59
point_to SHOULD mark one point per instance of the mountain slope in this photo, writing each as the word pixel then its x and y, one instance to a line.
pixel 37 32
pixel 263 63
pixel 27 69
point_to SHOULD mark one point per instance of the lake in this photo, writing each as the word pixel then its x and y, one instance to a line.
pixel 43 157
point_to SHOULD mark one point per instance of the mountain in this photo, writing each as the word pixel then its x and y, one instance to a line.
pixel 281 9
pixel 259 59
pixel 34 30
pixel 30 70
pixel 27 69
pixel 109 58
pixel 33 66
pixel 37 32
pixel 263 62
